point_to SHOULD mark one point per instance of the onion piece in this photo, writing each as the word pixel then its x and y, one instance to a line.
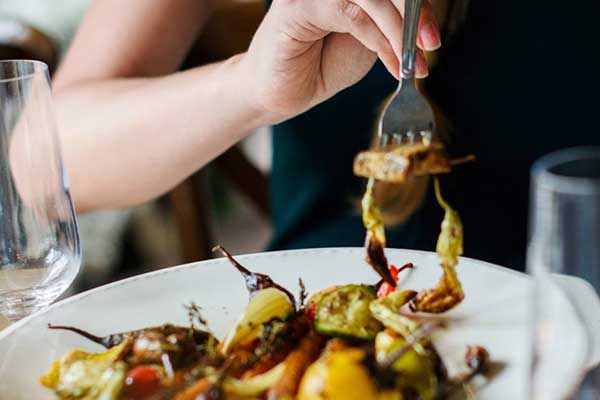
pixel 264 306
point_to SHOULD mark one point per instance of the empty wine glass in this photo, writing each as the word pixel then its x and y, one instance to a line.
pixel 565 239
pixel 39 243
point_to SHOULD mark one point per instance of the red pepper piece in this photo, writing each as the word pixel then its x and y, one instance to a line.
pixel 385 287
pixel 142 381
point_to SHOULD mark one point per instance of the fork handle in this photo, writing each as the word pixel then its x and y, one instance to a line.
pixel 412 10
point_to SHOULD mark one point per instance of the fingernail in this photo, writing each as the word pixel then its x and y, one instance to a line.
pixel 421 70
pixel 430 36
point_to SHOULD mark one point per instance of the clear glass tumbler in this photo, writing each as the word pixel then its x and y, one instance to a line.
pixel 39 243
pixel 565 239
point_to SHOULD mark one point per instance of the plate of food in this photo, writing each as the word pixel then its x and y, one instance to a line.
pixel 341 333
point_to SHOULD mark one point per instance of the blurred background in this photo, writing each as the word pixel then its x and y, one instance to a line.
pixel 224 203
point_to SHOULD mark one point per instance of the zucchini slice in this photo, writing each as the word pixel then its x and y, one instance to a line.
pixel 345 312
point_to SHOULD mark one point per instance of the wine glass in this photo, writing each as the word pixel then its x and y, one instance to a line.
pixel 40 253
pixel 565 239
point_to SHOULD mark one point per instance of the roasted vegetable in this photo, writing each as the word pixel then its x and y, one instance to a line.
pixel 448 293
pixel 387 311
pixel 266 305
pixel 345 312
pixel 342 375
pixel 375 239
pixel 385 288
pixel 313 302
pixel 398 163
pixel 416 370
pixel 182 345
pixel 255 282
pixel 296 364
pixel 141 381
pixel 256 385
pixel 86 376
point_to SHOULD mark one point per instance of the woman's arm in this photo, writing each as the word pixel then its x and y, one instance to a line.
pixel 130 131
pixel 131 128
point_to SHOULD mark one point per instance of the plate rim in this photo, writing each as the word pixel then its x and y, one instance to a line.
pixel 14 328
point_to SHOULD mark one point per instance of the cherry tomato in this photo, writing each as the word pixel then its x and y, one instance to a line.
pixel 385 287
pixel 142 381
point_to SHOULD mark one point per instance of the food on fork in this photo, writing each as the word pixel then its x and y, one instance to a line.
pixel 397 163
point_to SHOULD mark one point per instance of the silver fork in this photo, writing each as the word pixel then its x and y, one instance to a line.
pixel 407 117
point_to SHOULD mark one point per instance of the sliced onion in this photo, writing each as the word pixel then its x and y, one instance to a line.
pixel 256 385
pixel 263 307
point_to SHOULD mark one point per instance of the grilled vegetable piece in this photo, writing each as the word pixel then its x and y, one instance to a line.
pixel 142 381
pixel 313 302
pixel 81 375
pixel 448 293
pixel 345 312
pixel 182 345
pixel 416 369
pixel 387 311
pixel 296 364
pixel 256 385
pixel 375 238
pixel 342 375
pixel 204 388
pixel 264 306
pixel 399 162
pixel 255 282
pixel 385 288
pixel 276 340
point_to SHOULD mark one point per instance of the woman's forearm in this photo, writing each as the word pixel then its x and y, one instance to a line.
pixel 126 141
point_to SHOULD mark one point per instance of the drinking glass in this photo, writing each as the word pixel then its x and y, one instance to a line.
pixel 39 242
pixel 565 239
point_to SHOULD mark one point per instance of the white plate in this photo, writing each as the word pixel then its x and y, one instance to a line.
pixel 493 313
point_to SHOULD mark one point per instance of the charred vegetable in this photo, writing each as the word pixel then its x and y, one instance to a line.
pixel 256 385
pixel 81 375
pixel 255 282
pixel 181 345
pixel 416 370
pixel 387 311
pixel 268 301
pixel 345 312
pixel 296 364
pixel 448 293
pixel 375 239
pixel 398 163
pixel 266 305
pixel 343 374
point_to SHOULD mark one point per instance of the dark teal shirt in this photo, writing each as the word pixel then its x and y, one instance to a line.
pixel 519 80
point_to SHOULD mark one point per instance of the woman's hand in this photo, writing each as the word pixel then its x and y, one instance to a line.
pixel 305 51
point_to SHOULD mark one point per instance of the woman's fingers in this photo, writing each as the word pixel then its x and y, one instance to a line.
pixel 428 37
pixel 377 24
pixel 388 19
pixel 361 25
pixel 429 31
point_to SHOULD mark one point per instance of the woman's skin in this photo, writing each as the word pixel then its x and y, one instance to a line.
pixel 132 127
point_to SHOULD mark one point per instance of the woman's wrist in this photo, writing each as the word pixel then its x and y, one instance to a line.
pixel 240 77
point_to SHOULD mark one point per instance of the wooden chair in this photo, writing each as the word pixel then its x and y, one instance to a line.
pixel 229 32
